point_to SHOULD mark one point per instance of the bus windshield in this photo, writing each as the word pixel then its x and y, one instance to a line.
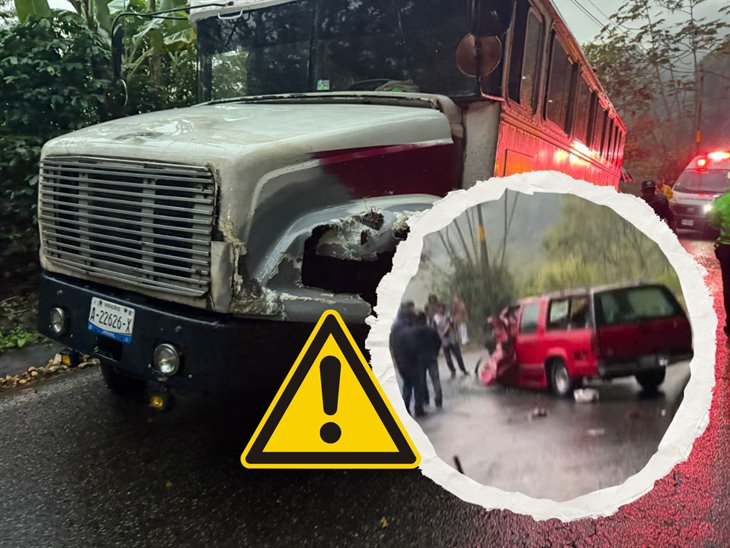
pixel 712 181
pixel 335 45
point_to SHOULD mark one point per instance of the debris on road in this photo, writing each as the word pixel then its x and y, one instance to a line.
pixel 55 366
pixel 384 522
pixel 538 412
pixel 634 414
pixel 457 462
pixel 586 395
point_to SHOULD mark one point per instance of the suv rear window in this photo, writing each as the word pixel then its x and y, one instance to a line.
pixel 713 180
pixel 634 304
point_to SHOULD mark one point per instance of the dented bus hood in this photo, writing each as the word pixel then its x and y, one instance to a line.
pixel 285 171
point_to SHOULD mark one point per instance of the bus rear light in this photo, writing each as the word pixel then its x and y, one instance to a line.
pixel 718 156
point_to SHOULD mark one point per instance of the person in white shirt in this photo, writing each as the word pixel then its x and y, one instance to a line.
pixel 449 342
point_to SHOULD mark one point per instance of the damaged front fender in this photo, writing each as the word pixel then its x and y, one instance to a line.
pixel 332 258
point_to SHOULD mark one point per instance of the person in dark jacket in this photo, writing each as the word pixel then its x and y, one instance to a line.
pixel 427 345
pixel 406 354
pixel 658 202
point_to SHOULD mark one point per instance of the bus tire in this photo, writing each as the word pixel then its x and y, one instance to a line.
pixel 559 379
pixel 651 380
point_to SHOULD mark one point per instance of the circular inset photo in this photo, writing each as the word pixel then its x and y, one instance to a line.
pixel 540 345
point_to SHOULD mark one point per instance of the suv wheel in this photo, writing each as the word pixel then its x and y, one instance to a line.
pixel 650 380
pixel 560 382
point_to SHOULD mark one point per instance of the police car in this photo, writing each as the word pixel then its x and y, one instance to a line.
pixel 705 178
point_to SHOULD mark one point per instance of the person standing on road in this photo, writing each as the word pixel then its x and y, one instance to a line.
pixel 665 188
pixel 409 368
pixel 458 311
pixel 658 202
pixel 445 326
pixel 719 216
pixel 431 309
pixel 426 343
pixel 395 333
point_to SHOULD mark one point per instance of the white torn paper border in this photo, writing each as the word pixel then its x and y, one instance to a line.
pixel 693 414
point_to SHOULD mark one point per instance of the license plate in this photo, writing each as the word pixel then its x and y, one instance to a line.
pixel 687 222
pixel 112 320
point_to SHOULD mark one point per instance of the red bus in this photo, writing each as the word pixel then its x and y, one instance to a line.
pixel 555 114
pixel 169 239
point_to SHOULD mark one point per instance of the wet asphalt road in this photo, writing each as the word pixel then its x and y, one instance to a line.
pixel 78 467
pixel 585 446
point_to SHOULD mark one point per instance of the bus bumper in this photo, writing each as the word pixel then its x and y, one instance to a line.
pixel 218 353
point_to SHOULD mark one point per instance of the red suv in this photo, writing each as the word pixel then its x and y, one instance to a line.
pixel 602 332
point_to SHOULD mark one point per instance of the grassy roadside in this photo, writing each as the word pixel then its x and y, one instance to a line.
pixel 18 321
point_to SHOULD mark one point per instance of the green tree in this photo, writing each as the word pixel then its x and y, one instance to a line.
pixel 479 273
pixel 47 72
pixel 592 245
pixel 652 69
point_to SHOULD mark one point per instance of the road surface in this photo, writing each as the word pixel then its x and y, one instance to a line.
pixel 76 469
pixel 585 447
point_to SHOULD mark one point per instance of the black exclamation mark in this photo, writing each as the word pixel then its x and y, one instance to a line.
pixel 329 371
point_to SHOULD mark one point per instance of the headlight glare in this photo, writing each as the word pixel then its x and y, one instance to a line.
pixel 166 359
pixel 58 320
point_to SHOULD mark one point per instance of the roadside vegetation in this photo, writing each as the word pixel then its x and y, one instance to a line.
pixel 584 244
pixel 55 77
pixel 666 69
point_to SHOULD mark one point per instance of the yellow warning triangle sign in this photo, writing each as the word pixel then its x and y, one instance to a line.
pixel 330 412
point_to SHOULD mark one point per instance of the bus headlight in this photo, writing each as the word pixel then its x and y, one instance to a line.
pixel 707 208
pixel 166 359
pixel 59 320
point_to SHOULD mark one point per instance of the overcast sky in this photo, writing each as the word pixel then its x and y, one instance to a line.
pixel 585 27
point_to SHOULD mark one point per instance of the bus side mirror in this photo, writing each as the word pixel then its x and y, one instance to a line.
pixel 117 49
pixel 478 56
pixel 493 17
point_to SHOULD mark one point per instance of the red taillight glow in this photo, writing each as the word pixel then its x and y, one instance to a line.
pixel 718 156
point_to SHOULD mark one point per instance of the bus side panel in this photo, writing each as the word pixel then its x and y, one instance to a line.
pixel 523 147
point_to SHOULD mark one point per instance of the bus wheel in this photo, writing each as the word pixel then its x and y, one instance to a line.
pixel 560 382
pixel 121 385
pixel 650 380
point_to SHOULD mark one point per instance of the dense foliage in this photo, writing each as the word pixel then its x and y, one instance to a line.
pixel 650 58
pixel 53 74
pixel 592 245
pixel 56 77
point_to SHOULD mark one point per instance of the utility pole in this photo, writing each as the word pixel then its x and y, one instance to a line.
pixel 699 77
pixel 482 237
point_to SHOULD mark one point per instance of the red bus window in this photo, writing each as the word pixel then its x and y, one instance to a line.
pixel 606 146
pixel 592 118
pixel 556 108
pixel 531 63
pixel 599 128
pixel 525 58
pixel 581 113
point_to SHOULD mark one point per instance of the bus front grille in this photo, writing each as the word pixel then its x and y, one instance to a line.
pixel 140 223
